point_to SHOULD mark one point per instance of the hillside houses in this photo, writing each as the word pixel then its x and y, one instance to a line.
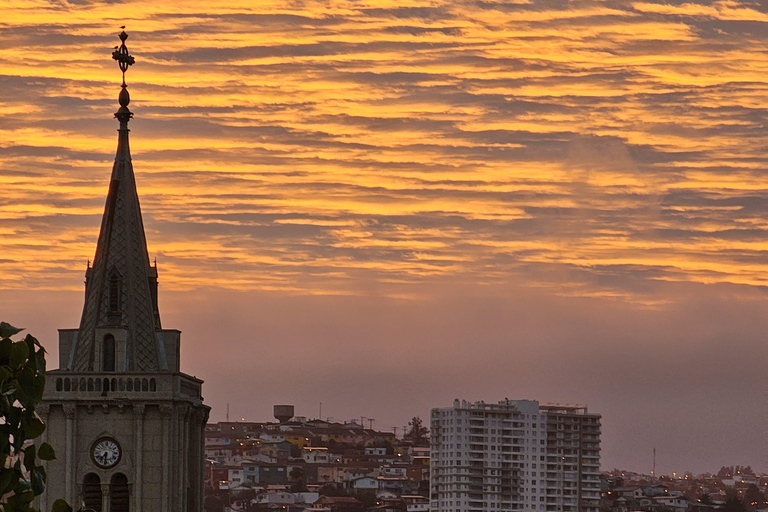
pixel 731 489
pixel 270 462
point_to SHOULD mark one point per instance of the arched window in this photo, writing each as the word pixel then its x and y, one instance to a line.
pixel 108 354
pixel 119 498
pixel 92 492
pixel 114 292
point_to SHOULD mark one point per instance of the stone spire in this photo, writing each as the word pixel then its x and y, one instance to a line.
pixel 121 286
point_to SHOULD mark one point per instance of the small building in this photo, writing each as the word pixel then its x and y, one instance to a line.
pixel 315 455
pixel 364 483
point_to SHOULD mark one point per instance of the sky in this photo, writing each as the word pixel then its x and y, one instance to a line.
pixel 381 206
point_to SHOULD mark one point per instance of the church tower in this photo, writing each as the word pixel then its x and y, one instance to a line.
pixel 127 425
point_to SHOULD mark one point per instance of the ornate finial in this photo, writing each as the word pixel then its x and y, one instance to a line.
pixel 123 60
pixel 121 55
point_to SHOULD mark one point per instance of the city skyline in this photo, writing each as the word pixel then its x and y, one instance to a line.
pixel 386 206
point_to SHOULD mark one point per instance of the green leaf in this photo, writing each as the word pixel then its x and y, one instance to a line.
pixel 5 349
pixel 40 359
pixel 18 501
pixel 6 479
pixel 46 452
pixel 7 330
pixel 39 386
pixel 32 341
pixel 37 476
pixel 22 487
pixel 61 506
pixel 30 456
pixel 33 428
pixel 19 354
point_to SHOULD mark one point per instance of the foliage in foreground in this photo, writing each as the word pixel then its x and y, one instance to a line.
pixel 22 380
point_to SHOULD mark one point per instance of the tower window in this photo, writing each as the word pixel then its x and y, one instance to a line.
pixel 119 498
pixel 92 492
pixel 114 293
pixel 108 354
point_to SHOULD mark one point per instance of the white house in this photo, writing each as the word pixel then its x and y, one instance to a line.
pixel 364 483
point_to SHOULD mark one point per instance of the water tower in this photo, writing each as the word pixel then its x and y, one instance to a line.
pixel 283 413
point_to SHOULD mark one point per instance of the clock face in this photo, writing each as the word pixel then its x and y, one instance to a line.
pixel 106 452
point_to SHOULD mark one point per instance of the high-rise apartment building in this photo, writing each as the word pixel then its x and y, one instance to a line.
pixel 515 455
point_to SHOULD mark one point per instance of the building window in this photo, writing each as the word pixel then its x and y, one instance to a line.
pixel 108 354
pixel 92 492
pixel 119 499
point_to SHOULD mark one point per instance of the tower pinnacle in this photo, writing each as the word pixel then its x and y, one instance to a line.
pixel 121 285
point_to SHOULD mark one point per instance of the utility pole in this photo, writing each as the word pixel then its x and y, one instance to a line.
pixel 227 412
pixel 370 423
pixel 320 414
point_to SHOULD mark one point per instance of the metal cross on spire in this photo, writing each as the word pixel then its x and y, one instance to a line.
pixel 123 60
pixel 121 55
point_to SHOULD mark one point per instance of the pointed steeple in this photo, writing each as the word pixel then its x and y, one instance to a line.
pixel 121 286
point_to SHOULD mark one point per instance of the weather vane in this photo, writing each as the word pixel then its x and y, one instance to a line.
pixel 121 54
pixel 123 60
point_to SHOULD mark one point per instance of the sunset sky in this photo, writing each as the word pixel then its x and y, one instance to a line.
pixel 386 205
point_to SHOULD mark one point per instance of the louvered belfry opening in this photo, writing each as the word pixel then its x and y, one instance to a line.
pixel 119 497
pixel 108 353
pixel 92 492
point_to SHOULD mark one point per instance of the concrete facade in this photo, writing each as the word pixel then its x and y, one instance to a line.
pixel 514 455
pixel 160 433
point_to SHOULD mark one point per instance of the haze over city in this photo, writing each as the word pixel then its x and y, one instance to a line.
pixel 383 206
